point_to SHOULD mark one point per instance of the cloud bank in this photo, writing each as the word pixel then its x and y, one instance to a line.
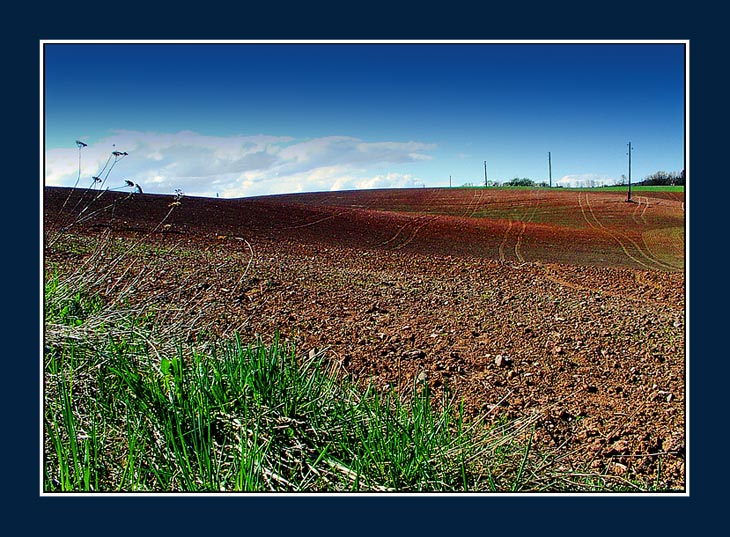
pixel 582 180
pixel 236 166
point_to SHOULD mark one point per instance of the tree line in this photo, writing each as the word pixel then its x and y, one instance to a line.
pixel 664 178
pixel 660 178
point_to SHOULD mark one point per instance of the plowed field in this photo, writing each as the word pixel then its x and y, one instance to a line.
pixel 566 303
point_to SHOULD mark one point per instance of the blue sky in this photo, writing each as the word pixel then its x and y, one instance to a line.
pixel 241 119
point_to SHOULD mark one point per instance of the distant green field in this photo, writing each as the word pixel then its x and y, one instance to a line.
pixel 663 188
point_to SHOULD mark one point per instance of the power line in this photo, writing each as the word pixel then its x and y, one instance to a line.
pixel 629 153
pixel 550 169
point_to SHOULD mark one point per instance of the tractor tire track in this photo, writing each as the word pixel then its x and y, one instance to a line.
pixel 636 210
pixel 583 211
pixel 519 256
pixel 530 214
pixel 469 211
pixel 521 224
pixel 415 224
pixel 339 213
pixel 476 205
pixel 643 202
pixel 651 252
pixel 399 231
pixel 646 206
pixel 425 221
pixel 596 224
pixel 504 241
pixel 555 277
pixel 649 257
pixel 414 221
pixel 599 226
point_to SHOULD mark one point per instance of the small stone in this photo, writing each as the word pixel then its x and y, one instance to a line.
pixel 414 354
pixel 501 360
pixel 619 468
pixel 619 447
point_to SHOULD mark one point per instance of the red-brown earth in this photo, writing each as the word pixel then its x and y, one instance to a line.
pixel 565 303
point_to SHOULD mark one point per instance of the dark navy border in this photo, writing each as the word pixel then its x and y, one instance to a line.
pixel 27 23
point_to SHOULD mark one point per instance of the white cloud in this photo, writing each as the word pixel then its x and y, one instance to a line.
pixel 390 180
pixel 585 180
pixel 236 166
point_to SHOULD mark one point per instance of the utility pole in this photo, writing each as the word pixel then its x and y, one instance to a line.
pixel 550 170
pixel 486 184
pixel 629 196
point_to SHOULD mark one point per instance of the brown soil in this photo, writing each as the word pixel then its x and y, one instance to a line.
pixel 570 304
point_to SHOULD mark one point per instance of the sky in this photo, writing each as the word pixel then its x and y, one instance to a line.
pixel 246 119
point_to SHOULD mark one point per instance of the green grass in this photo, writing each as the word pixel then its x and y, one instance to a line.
pixel 66 305
pixel 252 418
pixel 637 188
pixel 623 188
